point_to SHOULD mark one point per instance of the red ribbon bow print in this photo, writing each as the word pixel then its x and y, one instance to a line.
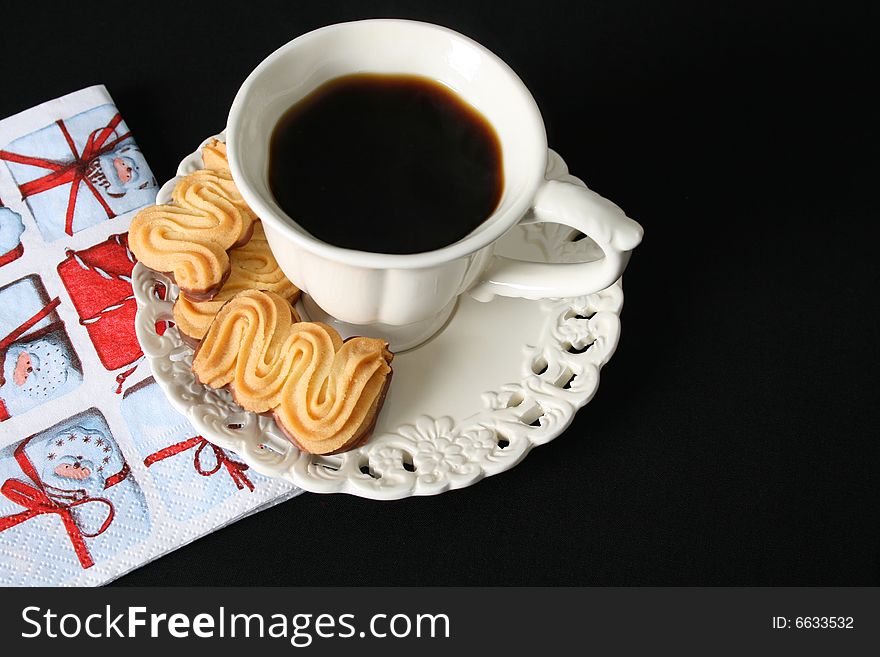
pixel 38 499
pixel 234 468
pixel 72 171
pixel 28 324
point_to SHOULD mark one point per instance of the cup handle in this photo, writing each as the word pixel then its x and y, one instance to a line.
pixel 571 203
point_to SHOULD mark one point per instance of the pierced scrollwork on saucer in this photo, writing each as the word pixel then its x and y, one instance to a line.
pixel 558 375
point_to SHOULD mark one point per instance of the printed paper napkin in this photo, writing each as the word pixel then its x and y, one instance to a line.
pixel 98 473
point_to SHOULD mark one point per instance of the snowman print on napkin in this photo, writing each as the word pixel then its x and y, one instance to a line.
pixel 38 361
pixel 68 502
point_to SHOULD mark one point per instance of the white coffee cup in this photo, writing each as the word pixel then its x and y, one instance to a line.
pixel 407 298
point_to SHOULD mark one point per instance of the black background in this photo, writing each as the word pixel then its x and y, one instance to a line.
pixel 733 439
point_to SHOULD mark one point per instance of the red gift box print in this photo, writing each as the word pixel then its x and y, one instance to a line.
pixel 68 501
pixel 98 280
pixel 80 171
pixel 38 498
pixel 38 361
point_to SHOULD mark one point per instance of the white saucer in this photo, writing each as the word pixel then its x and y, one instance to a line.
pixel 500 378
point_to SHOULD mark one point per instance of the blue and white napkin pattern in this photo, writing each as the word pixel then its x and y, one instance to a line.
pixel 98 473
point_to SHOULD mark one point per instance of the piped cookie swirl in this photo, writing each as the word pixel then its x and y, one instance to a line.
pixel 324 392
pixel 252 267
pixel 189 238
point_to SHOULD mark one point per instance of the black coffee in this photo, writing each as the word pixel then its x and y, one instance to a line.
pixel 385 163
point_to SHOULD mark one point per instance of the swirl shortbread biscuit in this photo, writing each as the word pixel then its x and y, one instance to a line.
pixel 324 393
pixel 252 267
pixel 214 155
pixel 190 237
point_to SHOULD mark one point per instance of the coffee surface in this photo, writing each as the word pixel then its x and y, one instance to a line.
pixel 385 163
